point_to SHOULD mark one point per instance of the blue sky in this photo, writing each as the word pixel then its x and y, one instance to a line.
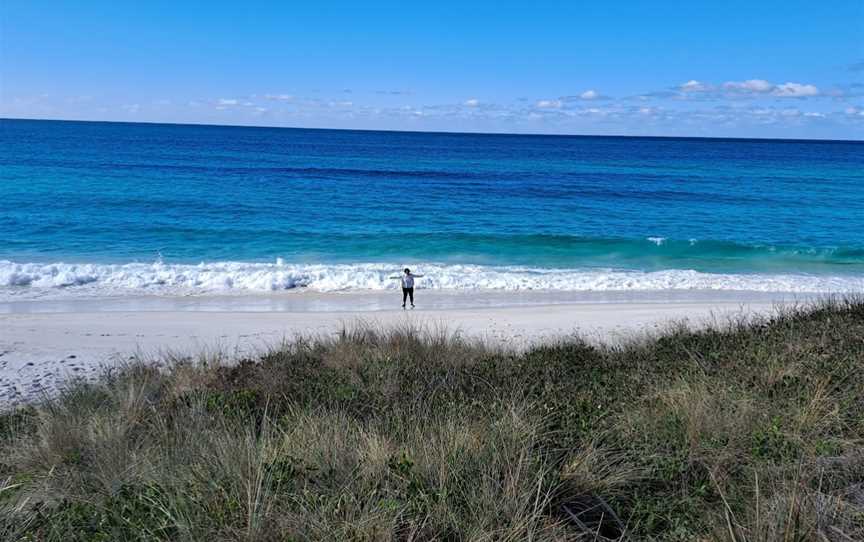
pixel 751 69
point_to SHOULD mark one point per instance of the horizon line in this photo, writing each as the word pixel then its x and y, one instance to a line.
pixel 442 132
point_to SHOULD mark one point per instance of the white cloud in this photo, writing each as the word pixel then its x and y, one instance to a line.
pixel 761 86
pixel 693 86
pixel 754 104
pixel 789 116
pixel 795 90
pixel 549 104
pixel 750 85
pixel 587 95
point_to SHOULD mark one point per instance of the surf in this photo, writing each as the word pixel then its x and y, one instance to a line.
pixel 22 280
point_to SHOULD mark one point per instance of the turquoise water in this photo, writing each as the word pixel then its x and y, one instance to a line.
pixel 116 207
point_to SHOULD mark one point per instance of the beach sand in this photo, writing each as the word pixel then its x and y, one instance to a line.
pixel 43 344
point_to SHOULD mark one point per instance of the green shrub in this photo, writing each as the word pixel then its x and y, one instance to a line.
pixel 746 431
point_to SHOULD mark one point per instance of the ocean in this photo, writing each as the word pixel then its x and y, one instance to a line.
pixel 97 209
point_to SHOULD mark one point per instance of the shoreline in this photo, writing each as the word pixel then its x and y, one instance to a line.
pixel 41 349
pixel 304 300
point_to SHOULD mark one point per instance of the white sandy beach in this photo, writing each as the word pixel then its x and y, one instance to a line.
pixel 43 344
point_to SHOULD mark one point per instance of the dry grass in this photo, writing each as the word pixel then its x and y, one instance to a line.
pixel 751 431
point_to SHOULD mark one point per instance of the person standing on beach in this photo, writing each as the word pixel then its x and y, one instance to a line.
pixel 407 280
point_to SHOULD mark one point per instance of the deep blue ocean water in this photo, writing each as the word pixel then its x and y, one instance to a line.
pixel 140 206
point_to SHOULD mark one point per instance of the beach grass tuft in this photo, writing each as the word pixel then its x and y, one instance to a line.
pixel 750 430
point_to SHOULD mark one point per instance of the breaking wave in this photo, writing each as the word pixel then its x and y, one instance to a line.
pixel 158 278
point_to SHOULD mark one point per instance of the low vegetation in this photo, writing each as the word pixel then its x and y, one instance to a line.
pixel 747 431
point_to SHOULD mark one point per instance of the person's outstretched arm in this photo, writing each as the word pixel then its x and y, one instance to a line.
pixel 415 276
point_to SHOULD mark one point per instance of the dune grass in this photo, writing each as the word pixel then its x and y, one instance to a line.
pixel 748 431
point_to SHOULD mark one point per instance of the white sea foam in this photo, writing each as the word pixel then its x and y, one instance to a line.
pixel 25 280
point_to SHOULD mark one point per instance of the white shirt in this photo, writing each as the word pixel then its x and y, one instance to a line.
pixel 407 281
